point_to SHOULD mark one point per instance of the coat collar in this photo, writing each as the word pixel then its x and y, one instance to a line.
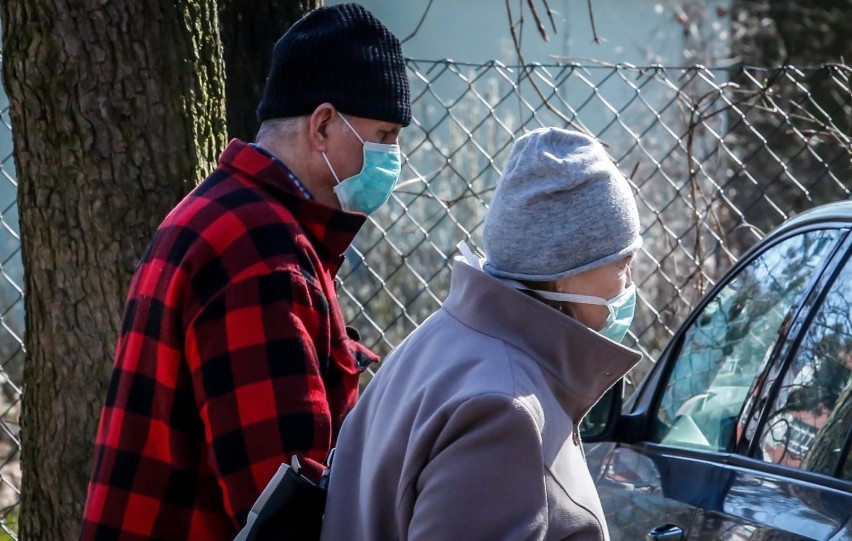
pixel 330 230
pixel 579 364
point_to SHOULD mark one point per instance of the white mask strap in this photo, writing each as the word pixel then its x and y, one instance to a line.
pixel 472 260
pixel 566 297
pixel 583 299
pixel 330 168
pixel 569 297
pixel 343 118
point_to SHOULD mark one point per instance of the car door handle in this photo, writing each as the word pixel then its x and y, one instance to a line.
pixel 665 532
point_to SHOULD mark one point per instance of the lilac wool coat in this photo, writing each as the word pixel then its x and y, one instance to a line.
pixel 468 431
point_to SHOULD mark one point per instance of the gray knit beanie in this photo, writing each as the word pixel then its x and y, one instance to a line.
pixel 561 208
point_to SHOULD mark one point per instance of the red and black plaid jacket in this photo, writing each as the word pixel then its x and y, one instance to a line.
pixel 232 355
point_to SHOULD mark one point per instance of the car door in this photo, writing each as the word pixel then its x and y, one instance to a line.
pixel 798 427
pixel 677 471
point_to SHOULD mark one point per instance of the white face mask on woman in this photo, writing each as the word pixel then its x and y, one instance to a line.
pixel 621 307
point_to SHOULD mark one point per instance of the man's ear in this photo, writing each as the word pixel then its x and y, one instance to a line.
pixel 318 125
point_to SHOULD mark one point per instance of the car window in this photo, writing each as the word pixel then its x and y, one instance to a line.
pixel 725 345
pixel 846 472
pixel 809 421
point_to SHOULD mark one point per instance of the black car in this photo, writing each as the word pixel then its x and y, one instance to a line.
pixel 743 428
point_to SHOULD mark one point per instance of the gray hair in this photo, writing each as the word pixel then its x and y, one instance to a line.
pixel 280 128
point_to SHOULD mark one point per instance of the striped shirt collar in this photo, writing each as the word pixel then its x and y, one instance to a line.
pixel 296 182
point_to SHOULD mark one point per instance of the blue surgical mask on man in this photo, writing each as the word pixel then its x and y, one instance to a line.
pixel 621 308
pixel 372 186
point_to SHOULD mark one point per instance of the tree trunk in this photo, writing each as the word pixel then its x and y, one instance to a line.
pixel 249 30
pixel 801 34
pixel 117 109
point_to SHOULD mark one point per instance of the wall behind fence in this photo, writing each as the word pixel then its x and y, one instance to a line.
pixel 716 159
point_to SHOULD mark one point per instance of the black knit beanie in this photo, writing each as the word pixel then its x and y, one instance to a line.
pixel 342 55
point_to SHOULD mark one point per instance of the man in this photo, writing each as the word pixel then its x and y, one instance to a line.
pixel 233 354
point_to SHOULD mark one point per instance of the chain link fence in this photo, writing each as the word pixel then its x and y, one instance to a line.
pixel 716 158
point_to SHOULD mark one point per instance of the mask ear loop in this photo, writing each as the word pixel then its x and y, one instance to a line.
pixel 330 168
pixel 324 157
pixel 343 118
pixel 569 297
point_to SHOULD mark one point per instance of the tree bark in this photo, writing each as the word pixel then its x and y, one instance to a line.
pixel 117 109
pixel 249 30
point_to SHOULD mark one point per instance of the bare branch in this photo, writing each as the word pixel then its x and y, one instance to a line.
pixel 538 22
pixel 528 72
pixel 515 39
pixel 592 21
pixel 419 24
pixel 550 15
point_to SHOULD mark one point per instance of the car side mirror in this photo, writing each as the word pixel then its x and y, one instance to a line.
pixel 600 423
pixel 605 422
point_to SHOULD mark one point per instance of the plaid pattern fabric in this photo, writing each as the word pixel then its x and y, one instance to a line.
pixel 232 356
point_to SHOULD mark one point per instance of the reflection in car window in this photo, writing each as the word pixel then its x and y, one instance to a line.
pixel 723 348
pixel 809 421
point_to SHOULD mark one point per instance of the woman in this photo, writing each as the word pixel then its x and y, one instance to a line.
pixel 469 430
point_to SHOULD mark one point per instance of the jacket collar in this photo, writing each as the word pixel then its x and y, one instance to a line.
pixel 579 364
pixel 330 230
